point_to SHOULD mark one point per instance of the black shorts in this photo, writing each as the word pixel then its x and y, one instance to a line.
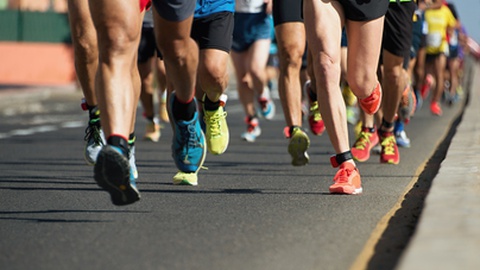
pixel 214 31
pixel 364 10
pixel 398 29
pixel 287 11
pixel 147 46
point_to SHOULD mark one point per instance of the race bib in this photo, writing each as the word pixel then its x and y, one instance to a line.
pixel 434 40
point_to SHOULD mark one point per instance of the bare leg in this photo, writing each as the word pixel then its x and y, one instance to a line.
pixel 291 46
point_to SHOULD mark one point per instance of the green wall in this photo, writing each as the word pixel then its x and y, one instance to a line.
pixel 25 26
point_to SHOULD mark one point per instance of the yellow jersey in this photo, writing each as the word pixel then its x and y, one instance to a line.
pixel 438 21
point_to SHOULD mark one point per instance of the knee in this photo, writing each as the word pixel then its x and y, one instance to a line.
pixel 213 76
pixel 362 86
pixel 290 58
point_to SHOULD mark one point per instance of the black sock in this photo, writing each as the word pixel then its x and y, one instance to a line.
pixel 312 95
pixel 131 139
pixel 183 111
pixel 210 105
pixel 119 142
pixel 93 112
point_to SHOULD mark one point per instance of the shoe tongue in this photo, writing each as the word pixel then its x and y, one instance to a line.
pixel 347 166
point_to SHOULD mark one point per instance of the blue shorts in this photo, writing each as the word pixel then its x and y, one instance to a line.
pixel 248 28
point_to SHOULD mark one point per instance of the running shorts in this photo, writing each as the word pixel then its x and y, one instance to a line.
pixel 175 10
pixel 398 28
pixel 214 31
pixel 287 11
pixel 364 10
pixel 250 28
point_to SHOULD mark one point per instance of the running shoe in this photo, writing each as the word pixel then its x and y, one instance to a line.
pixel 315 121
pixel 390 153
pixel 217 134
pixel 402 139
pixel 366 140
pixel 371 104
pixel 132 161
pixel 406 109
pixel 426 86
pixel 95 141
pixel 347 180
pixel 348 96
pixel 188 142
pixel 185 179
pixel 152 131
pixel 163 113
pixel 253 129
pixel 435 108
pixel 267 106
pixel 298 145
pixel 113 173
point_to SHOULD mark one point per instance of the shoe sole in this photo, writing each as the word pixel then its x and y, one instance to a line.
pixel 112 173
pixel 297 148
pixel 346 190
pixel 186 179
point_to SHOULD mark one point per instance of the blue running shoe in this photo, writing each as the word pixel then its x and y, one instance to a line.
pixel 267 106
pixel 113 173
pixel 188 144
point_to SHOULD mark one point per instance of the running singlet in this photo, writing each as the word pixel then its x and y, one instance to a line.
pixel 438 21
pixel 249 6
pixel 205 8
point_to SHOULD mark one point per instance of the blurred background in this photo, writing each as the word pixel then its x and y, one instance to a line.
pixel 35 45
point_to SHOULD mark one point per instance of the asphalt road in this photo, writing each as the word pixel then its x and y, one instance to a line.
pixel 251 210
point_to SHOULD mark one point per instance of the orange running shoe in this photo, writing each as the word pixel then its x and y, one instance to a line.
pixel 389 153
pixel 366 140
pixel 371 104
pixel 435 108
pixel 346 180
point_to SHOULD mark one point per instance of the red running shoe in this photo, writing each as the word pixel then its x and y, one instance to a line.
pixel 435 108
pixel 426 86
pixel 389 153
pixel 346 180
pixel 371 104
pixel 315 121
pixel 366 140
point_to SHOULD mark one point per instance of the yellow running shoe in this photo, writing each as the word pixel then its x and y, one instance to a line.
pixel 217 134
pixel 152 132
pixel 298 146
pixel 187 179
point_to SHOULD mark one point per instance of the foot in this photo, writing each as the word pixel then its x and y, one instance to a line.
pixel 298 146
pixel 366 140
pixel 113 173
pixel 347 180
pixel 217 134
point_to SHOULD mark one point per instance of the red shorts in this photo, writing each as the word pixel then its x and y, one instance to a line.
pixel 145 4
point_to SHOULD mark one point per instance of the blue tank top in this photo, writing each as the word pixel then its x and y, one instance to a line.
pixel 208 7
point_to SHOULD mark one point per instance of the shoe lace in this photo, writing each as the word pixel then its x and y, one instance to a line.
pixel 215 123
pixel 93 132
pixel 342 175
pixel 388 144
pixel 315 112
pixel 362 140
pixel 189 136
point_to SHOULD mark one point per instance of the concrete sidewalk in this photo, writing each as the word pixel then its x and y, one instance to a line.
pixel 448 233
